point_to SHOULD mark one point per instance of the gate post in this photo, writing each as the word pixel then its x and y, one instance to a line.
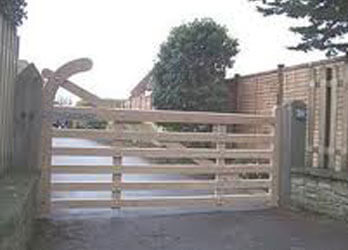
pixel 292 145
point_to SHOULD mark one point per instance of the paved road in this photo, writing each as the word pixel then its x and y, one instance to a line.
pixel 253 230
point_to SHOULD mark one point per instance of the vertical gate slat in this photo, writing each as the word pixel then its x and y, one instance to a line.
pixel 221 130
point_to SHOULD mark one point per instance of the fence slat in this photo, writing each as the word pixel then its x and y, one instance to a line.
pixel 324 84
pixel 344 151
pixel 333 117
pixel 312 90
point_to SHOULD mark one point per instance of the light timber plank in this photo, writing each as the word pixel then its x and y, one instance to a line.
pixel 84 151
pixel 312 90
pixel 168 185
pixel 122 115
pixel 82 169
pixel 197 153
pixel 166 153
pixel 82 203
pixel 165 185
pixel 220 161
pixel 195 169
pixel 187 201
pixel 161 136
pixel 76 90
pixel 195 201
pixel 81 186
pixel 164 169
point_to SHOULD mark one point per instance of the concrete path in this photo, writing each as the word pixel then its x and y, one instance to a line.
pixel 256 230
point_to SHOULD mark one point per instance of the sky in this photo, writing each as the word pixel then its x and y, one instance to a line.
pixel 123 37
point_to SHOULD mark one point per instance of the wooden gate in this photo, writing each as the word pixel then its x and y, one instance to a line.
pixel 234 160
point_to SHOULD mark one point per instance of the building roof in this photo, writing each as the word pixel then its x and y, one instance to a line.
pixel 143 85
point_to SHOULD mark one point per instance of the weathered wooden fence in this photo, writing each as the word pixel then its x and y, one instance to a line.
pixel 8 69
pixel 230 168
pixel 327 126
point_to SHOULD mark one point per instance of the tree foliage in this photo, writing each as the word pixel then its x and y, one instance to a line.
pixel 14 10
pixel 326 25
pixel 190 73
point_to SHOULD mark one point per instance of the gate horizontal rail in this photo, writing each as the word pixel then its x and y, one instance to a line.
pixel 166 153
pixel 161 136
pixel 164 169
pixel 164 185
pixel 188 201
pixel 160 116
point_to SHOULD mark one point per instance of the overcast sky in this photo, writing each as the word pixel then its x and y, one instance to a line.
pixel 123 37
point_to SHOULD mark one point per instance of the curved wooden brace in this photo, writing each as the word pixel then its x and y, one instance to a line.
pixel 54 81
pixel 61 75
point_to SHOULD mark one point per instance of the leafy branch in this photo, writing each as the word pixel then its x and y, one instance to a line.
pixel 14 10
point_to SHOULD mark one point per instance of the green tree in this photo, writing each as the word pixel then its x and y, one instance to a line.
pixel 326 22
pixel 14 10
pixel 190 73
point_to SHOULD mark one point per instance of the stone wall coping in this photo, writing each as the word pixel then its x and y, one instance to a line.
pixel 321 173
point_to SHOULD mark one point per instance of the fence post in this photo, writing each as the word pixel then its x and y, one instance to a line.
pixel 311 109
pixel 28 121
pixel 275 161
pixel 292 143
pixel 280 94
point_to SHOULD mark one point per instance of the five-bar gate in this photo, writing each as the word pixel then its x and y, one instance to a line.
pixel 221 159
